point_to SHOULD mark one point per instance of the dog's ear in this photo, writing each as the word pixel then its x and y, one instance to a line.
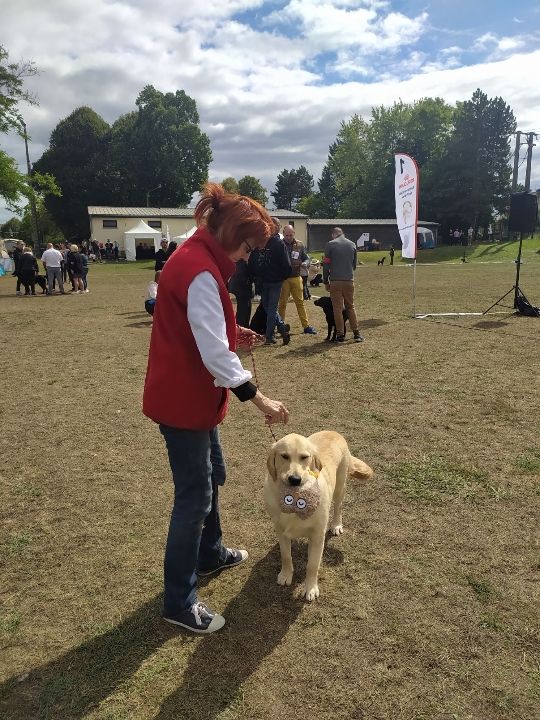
pixel 316 463
pixel 271 463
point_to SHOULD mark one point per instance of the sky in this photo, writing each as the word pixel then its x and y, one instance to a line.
pixel 272 79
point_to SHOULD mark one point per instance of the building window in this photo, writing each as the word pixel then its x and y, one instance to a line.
pixel 109 223
pixel 155 224
pixel 291 223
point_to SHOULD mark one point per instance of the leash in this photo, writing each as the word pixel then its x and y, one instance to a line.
pixel 259 385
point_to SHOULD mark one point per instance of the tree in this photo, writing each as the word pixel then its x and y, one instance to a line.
pixel 12 90
pixel 250 186
pixel 76 157
pixel 159 144
pixel 291 187
pixel 230 185
pixel 472 178
pixel 159 147
pixel 16 187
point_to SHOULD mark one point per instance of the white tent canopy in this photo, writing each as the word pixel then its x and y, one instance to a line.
pixel 179 239
pixel 141 231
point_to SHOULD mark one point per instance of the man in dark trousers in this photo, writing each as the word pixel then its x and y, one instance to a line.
pixel 391 253
pixel 338 273
pixel 270 266
pixel 241 286
pixel 17 255
pixel 161 255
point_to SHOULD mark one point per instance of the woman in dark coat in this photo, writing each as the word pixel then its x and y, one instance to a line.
pixel 28 269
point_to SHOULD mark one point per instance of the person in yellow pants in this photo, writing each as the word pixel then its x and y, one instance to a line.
pixel 293 284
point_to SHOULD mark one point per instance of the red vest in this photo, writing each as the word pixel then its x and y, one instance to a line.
pixel 178 390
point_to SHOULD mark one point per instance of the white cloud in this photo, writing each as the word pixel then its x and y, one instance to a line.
pixel 262 96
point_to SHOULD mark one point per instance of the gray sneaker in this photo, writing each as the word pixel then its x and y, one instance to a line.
pixel 198 619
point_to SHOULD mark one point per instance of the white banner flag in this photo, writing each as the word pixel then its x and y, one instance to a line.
pixel 406 190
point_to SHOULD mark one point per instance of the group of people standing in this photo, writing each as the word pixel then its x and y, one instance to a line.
pixel 58 264
pixel 276 271
pixel 279 270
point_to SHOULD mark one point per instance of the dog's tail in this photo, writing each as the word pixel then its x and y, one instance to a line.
pixel 359 470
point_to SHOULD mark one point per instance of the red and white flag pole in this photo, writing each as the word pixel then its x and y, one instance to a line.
pixel 407 186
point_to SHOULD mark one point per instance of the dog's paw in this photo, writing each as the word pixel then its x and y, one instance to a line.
pixel 285 577
pixel 336 530
pixel 310 593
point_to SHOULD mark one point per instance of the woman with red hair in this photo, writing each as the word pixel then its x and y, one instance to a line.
pixel 192 365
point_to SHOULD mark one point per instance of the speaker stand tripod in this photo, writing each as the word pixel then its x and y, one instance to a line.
pixel 518 293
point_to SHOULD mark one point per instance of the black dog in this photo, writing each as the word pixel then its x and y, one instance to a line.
pixel 316 281
pixel 326 304
pixel 42 282
pixel 381 261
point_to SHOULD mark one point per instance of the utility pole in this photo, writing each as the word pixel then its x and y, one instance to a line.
pixel 33 211
pixel 516 161
pixel 530 145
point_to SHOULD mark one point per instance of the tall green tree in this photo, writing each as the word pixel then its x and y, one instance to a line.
pixel 15 187
pixel 230 185
pixel 291 187
pixel 157 152
pixel 250 186
pixel 76 157
pixel 471 179
pixel 159 144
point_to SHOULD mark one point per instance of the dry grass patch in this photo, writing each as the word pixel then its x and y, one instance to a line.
pixel 429 602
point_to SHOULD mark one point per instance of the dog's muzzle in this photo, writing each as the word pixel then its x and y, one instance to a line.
pixel 294 480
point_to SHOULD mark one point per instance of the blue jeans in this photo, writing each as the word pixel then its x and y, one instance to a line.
pixel 270 297
pixel 194 541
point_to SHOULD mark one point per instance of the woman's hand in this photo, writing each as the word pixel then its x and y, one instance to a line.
pixel 246 338
pixel 274 411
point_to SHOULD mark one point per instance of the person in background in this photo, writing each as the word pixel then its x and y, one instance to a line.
pixel 84 258
pixel 75 268
pixel 304 274
pixel 271 266
pixel 170 249
pixel 161 255
pixel 392 253
pixel 293 284
pixel 52 261
pixel 96 251
pixel 338 273
pixel 192 364
pixel 241 286
pixel 116 251
pixel 28 269
pixel 17 254
pixel 151 294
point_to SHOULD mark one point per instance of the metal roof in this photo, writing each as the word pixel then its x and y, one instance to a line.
pixel 360 221
pixel 147 212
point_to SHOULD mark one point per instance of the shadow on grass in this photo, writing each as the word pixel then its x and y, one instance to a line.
pixel 140 324
pixel 132 314
pixel 258 618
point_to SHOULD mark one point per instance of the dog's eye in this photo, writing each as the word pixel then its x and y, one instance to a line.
pixel 304 457
pixel 285 456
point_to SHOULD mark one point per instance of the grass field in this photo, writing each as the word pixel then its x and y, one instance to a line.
pixel 429 601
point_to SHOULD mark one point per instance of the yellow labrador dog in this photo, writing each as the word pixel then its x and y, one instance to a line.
pixel 304 476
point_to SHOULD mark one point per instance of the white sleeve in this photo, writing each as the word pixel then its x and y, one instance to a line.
pixel 207 321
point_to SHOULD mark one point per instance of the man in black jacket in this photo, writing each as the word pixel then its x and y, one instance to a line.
pixel 161 255
pixel 270 266
pixel 17 254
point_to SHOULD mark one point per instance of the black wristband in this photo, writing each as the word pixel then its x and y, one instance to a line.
pixel 244 392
